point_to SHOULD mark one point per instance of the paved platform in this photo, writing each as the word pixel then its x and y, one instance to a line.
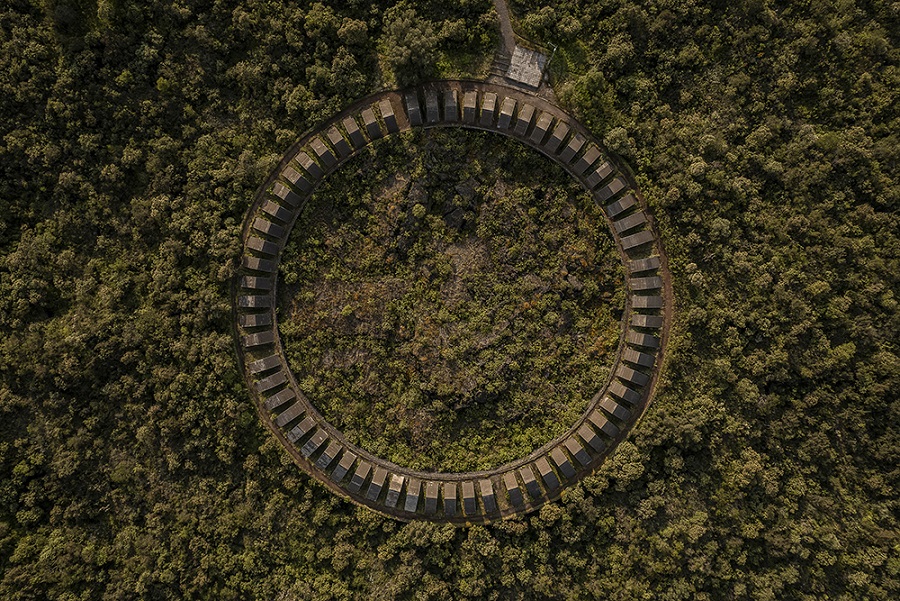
pixel 527 67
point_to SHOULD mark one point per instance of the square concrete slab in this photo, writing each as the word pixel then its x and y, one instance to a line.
pixel 526 67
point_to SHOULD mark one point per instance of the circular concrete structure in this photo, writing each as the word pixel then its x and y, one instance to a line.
pixel 471 497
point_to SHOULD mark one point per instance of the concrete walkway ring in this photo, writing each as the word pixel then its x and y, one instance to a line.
pixel 472 497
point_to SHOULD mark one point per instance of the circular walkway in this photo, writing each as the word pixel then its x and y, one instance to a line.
pixel 472 497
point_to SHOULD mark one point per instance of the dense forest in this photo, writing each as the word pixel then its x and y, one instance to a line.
pixel 133 136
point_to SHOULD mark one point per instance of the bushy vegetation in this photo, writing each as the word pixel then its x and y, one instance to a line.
pixel 452 300
pixel 764 136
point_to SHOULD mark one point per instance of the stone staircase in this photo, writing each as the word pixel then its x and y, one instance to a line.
pixel 500 65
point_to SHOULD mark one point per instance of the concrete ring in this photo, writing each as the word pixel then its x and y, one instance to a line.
pixel 516 487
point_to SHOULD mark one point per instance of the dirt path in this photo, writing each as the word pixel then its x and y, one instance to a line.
pixel 507 37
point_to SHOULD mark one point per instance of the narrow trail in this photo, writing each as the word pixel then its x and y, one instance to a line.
pixel 507 37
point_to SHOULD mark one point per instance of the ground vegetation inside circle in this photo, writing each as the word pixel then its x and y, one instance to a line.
pixel 451 300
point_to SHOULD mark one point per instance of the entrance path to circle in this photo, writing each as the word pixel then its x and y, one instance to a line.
pixel 519 486
pixel 507 37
